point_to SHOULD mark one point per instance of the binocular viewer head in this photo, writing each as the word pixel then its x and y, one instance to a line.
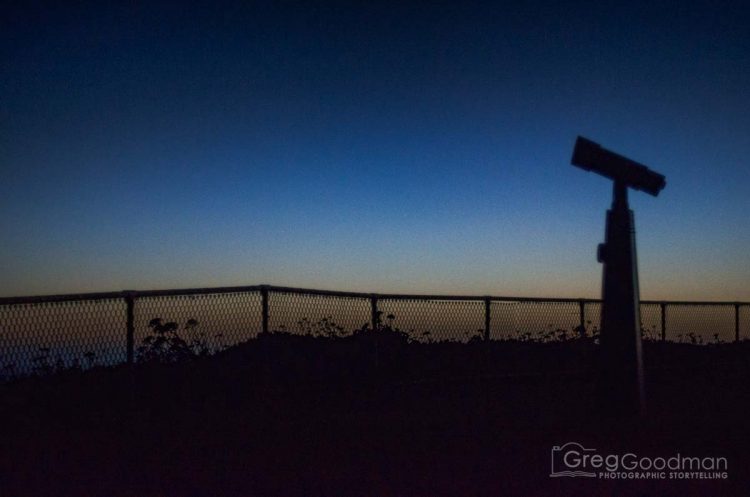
pixel 591 156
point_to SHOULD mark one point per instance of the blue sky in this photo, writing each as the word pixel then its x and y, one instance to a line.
pixel 375 148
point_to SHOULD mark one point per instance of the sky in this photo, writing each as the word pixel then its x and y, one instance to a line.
pixel 419 147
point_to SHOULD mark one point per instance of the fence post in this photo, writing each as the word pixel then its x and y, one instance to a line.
pixel 582 315
pixel 264 308
pixel 374 318
pixel 487 317
pixel 736 322
pixel 130 323
pixel 663 307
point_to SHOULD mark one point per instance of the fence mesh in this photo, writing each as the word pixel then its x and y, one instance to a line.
pixel 46 334
pixel 743 317
pixel 651 325
pixel 699 324
pixel 219 320
pixel 547 320
pixel 319 315
pixel 592 317
pixel 434 320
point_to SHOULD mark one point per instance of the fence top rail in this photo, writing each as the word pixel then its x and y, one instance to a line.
pixel 40 299
pixel 693 302
pixel 329 293
pixel 406 296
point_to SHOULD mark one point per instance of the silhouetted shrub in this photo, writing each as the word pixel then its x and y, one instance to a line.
pixel 165 345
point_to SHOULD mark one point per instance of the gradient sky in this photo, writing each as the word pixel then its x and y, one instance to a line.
pixel 393 147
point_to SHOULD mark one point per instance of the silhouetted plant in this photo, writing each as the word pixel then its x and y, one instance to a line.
pixel 90 359
pixel 648 335
pixel 384 339
pixel 325 327
pixel 45 365
pixel 523 336
pixel 384 330
pixel 587 332
pixel 166 345
pixel 41 362
pixel 220 339
pixel 477 336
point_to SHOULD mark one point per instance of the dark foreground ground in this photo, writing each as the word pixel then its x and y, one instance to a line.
pixel 275 420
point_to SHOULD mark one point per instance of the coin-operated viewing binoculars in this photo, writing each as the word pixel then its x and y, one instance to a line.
pixel 621 366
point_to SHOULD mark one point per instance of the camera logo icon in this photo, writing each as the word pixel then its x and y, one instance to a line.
pixel 570 460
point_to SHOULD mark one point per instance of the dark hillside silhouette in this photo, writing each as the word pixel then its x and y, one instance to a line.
pixel 368 412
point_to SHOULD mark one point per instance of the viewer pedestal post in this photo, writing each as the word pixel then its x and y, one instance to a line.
pixel 621 366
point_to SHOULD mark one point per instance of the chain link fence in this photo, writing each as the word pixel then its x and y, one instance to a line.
pixel 52 333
